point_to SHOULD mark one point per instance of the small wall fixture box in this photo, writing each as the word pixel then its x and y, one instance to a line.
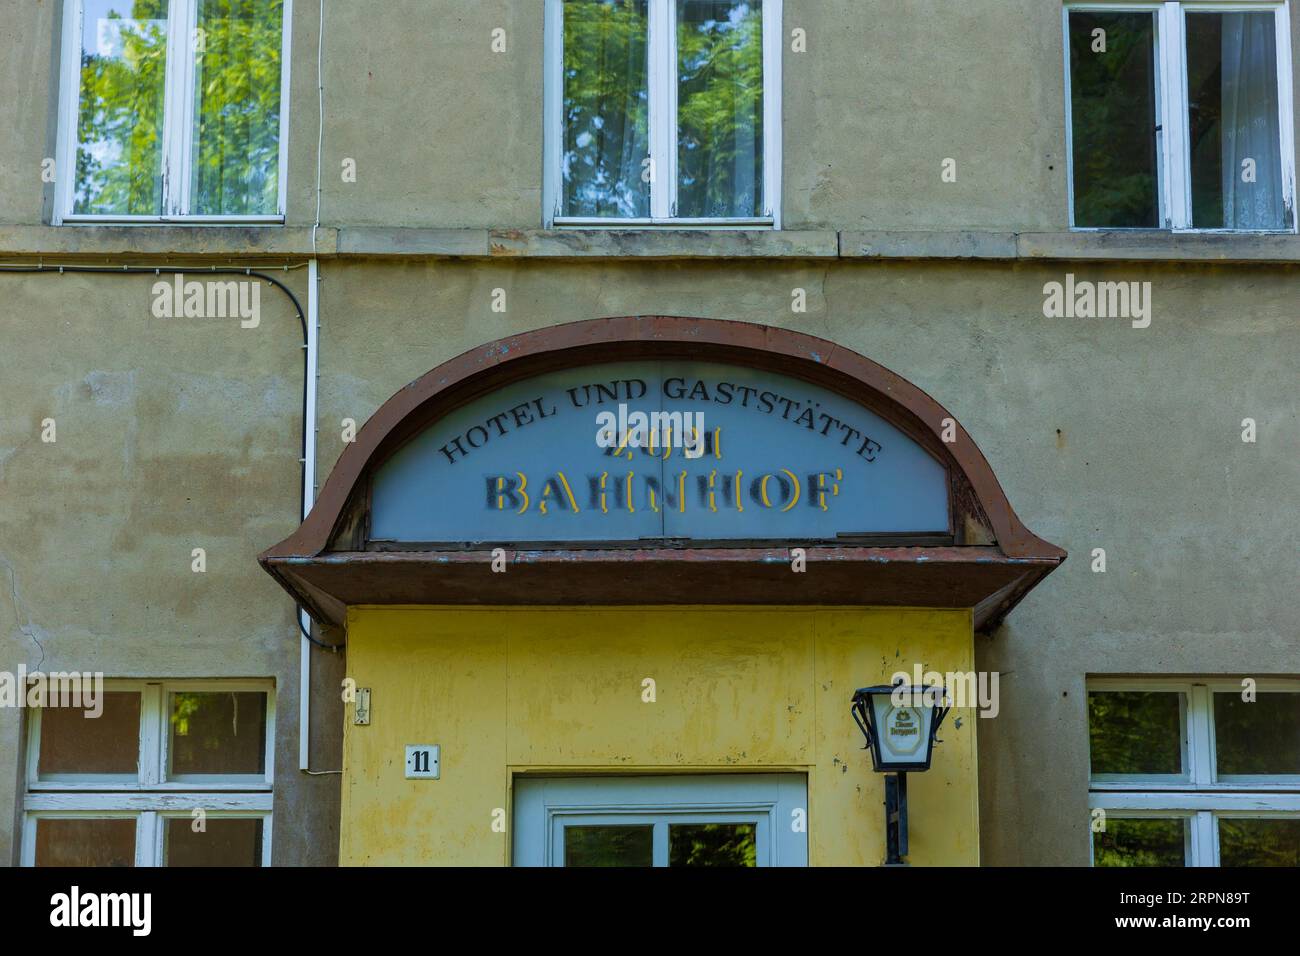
pixel 422 761
pixel 361 707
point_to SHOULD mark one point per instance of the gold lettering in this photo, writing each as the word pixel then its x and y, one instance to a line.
pixel 568 491
pixel 795 500
pixel 523 483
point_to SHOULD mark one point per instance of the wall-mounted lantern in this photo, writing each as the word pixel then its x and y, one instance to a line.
pixel 900 724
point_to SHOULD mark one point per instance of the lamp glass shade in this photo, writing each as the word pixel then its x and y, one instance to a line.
pixel 902 733
pixel 900 723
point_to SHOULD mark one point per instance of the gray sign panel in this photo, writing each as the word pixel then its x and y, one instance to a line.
pixel 665 449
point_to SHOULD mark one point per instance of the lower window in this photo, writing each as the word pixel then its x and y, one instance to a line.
pixel 1199 774
pixel 148 838
pixel 718 820
pixel 1204 838
pixel 150 773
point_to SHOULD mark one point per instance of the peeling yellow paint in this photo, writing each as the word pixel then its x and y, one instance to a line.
pixel 517 690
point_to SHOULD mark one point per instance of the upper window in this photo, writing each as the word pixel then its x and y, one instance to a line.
pixel 1194 774
pixel 175 773
pixel 1180 116
pixel 173 109
pixel 663 112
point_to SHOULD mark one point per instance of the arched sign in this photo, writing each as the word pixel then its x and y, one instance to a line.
pixel 661 460
pixel 660 450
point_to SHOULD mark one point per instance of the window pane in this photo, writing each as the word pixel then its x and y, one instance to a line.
pixel 223 842
pixel 609 846
pixel 606 111
pixel 712 844
pixel 1258 842
pixel 81 841
pixel 236 151
pixel 719 108
pixel 74 742
pixel 1135 732
pixel 1233 121
pixel 120 115
pixel 1145 842
pixel 1261 736
pixel 1113 106
pixel 218 732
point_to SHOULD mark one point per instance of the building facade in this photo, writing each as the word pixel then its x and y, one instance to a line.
pixel 311 313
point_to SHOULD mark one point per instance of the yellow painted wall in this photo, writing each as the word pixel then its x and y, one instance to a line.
pixel 515 690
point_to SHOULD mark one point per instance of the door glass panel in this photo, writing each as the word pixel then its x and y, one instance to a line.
pixel 1257 737
pixel 80 841
pixel 1259 842
pixel 609 846
pixel 1135 732
pixel 222 842
pixel 712 844
pixel 1140 842
pixel 76 741
pixel 1113 109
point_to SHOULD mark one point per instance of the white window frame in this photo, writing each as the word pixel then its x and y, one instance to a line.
pixel 150 833
pixel 1173 150
pixel 178 123
pixel 544 807
pixel 151 797
pixel 1198 795
pixel 661 80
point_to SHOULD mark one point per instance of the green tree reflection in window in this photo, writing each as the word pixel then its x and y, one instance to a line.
pixel 236 154
pixel 236 60
pixel 1135 732
pixel 218 732
pixel 712 844
pixel 1140 842
pixel 120 119
pixel 719 108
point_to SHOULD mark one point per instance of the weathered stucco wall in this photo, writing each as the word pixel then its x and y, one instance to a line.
pixel 512 690
pixel 171 434
pixel 184 433
pixel 1102 435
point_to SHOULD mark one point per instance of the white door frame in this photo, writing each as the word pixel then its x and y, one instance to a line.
pixel 775 802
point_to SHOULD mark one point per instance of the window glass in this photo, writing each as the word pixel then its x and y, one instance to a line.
pixel 1135 732
pixel 1113 109
pixel 223 841
pixel 84 841
pixel 609 846
pixel 236 145
pixel 712 844
pixel 1257 737
pixel 1233 121
pixel 218 732
pixel 1259 842
pixel 1140 842
pixel 719 108
pixel 74 742
pixel 604 167
pixel 120 116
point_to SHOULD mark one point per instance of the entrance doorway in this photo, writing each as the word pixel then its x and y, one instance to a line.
pixel 719 820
